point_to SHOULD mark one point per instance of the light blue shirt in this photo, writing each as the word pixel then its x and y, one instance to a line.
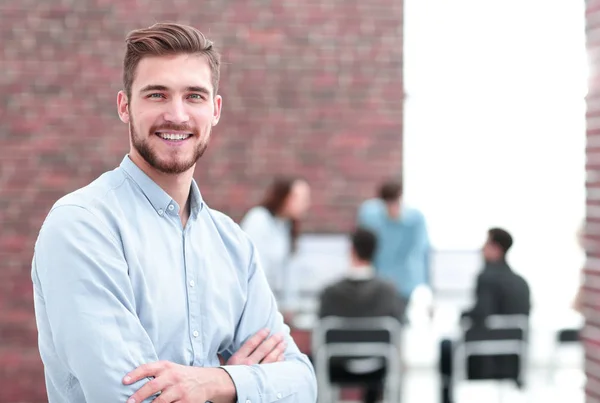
pixel 118 282
pixel 403 248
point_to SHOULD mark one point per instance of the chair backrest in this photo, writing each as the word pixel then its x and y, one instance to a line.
pixel 504 327
pixel 340 330
pixel 505 335
pixel 348 338
pixel 517 321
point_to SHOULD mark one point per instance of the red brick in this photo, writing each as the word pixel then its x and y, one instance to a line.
pixel 591 298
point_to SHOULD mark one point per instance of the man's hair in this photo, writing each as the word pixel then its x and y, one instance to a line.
pixel 500 238
pixel 390 191
pixel 168 39
pixel 364 244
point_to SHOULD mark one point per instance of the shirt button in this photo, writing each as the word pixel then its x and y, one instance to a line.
pixel 248 401
pixel 192 283
pixel 160 212
pixel 195 333
pixel 171 207
pixel 279 396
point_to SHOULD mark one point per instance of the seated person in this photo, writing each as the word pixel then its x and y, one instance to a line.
pixel 361 295
pixel 499 291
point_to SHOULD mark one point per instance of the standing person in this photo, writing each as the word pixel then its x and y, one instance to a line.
pixel 274 226
pixel 139 286
pixel 403 243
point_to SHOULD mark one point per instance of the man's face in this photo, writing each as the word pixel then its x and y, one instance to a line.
pixel 171 111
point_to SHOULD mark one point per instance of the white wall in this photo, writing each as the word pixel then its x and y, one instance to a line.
pixel 495 131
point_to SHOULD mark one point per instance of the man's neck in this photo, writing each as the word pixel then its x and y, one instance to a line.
pixel 356 264
pixel 360 270
pixel 175 185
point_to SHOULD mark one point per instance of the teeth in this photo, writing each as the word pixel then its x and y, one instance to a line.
pixel 173 136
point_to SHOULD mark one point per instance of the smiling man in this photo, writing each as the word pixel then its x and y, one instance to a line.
pixel 139 286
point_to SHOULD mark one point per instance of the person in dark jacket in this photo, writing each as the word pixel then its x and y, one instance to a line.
pixel 498 291
pixel 361 295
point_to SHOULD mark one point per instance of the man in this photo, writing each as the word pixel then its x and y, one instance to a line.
pixel 499 291
pixel 361 295
pixel 403 252
pixel 140 285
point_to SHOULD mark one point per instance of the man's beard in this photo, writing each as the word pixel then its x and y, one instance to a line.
pixel 151 156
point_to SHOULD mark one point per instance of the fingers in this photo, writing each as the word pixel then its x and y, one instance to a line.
pixel 169 396
pixel 266 348
pixel 145 371
pixel 276 354
pixel 241 356
pixel 149 389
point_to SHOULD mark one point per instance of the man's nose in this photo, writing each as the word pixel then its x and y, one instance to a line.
pixel 176 112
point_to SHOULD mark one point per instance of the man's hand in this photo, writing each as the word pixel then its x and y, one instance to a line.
pixel 182 384
pixel 259 350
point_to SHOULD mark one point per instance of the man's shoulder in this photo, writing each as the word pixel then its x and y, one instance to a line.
pixel 88 210
pixel 372 204
pixel 93 196
pixel 334 288
pixel 413 214
pixel 371 210
pixel 94 191
pixel 385 286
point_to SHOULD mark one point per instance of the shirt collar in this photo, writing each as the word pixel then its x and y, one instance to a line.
pixel 365 272
pixel 160 200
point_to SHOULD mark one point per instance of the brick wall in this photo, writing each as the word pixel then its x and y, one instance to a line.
pixel 309 87
pixel 591 294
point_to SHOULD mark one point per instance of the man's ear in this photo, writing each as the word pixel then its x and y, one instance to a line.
pixel 123 107
pixel 217 111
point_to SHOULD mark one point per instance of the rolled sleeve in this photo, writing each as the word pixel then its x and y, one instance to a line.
pixel 290 381
pixel 85 306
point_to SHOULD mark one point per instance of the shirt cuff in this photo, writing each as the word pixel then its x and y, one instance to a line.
pixel 246 384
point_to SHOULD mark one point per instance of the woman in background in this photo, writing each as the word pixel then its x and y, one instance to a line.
pixel 273 226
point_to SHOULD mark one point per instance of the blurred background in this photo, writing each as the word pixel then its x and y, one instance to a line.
pixel 481 108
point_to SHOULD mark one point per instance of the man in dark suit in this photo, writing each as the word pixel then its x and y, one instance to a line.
pixel 361 295
pixel 499 291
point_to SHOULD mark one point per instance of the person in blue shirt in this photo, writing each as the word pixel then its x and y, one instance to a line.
pixel 403 252
pixel 143 292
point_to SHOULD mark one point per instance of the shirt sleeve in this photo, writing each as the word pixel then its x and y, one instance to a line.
pixel 291 381
pixel 85 305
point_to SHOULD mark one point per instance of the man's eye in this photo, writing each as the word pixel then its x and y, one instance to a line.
pixel 196 96
pixel 156 95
